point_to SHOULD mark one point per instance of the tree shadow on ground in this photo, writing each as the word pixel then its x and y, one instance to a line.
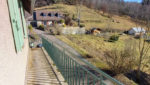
pixel 144 78
pixel 109 72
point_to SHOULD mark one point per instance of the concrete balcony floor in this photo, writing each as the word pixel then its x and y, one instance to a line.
pixel 39 70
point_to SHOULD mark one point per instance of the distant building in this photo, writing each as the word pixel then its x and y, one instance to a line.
pixel 45 17
pixel 95 31
pixel 136 31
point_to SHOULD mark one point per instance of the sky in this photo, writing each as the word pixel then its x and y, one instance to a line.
pixel 133 0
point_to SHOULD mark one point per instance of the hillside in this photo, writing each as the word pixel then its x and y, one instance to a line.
pixel 92 18
pixel 40 3
pixel 94 48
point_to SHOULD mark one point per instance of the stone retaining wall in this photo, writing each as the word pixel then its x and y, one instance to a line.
pixel 73 30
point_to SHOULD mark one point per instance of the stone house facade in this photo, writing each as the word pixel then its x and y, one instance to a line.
pixel 46 18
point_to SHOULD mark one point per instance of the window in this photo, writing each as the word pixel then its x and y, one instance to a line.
pixel 49 14
pixel 42 14
pixel 56 14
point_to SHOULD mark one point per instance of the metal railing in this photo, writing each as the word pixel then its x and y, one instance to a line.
pixel 76 70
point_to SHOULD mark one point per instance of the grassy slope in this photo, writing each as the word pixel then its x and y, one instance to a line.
pixel 92 45
pixel 95 46
pixel 91 18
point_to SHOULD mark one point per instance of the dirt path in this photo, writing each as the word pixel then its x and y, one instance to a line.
pixel 39 70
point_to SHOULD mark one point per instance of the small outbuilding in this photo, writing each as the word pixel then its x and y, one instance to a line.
pixel 136 31
pixel 95 31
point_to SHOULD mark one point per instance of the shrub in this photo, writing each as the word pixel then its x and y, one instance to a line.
pixel 122 60
pixel 74 17
pixel 62 21
pixel 64 25
pixel 68 20
pixel 114 38
pixel 59 31
pixel 41 27
pixel 56 30
pixel 82 25
pixel 75 24
pixel 30 27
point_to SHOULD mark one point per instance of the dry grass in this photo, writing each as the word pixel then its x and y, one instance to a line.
pixel 92 18
pixel 93 46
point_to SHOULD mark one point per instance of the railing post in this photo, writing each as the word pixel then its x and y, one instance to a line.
pixel 88 79
pixel 76 71
pixel 79 74
pixel 69 70
pixel 83 75
pixel 73 71
pixel 63 62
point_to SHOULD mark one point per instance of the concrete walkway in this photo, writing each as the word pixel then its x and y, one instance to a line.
pixel 39 71
pixel 61 43
pixel 69 49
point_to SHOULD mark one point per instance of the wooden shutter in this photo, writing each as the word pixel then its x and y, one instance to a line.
pixel 23 19
pixel 16 24
pixel 19 22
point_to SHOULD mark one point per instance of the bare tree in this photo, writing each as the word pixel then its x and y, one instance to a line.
pixel 146 2
pixel 144 46
pixel 122 60
pixel 78 7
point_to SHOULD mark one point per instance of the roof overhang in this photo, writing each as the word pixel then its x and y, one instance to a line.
pixel 28 5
